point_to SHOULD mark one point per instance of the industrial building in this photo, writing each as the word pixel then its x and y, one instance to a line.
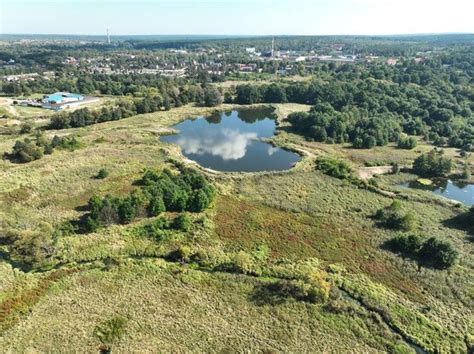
pixel 62 100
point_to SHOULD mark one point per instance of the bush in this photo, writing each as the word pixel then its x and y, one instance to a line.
pixel 102 174
pixel 301 290
pixel 432 252
pixel 154 229
pixel 182 222
pixel 334 168
pixel 182 254
pixel 407 245
pixel 432 164
pixel 66 143
pixel 244 263
pixel 31 246
pixel 26 128
pixel 394 217
pixel 438 254
pixel 109 332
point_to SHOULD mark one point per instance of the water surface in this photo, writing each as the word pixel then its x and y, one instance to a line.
pixel 230 142
pixel 461 192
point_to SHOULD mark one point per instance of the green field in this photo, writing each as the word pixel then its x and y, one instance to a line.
pixel 313 226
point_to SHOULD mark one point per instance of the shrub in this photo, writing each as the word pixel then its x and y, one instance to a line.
pixel 66 143
pixel 211 257
pixel 182 254
pixel 300 290
pixel 102 174
pixel 466 173
pixel 110 332
pixel 432 253
pixel 432 164
pixel 154 229
pixel 334 168
pixel 182 222
pixel 407 245
pixel 26 128
pixel 438 254
pixel 394 217
pixel 243 263
pixel 31 246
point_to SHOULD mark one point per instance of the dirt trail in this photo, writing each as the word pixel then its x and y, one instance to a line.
pixel 367 173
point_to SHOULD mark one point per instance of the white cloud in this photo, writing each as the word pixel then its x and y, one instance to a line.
pixel 227 144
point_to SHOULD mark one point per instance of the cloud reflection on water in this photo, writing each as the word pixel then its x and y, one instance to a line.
pixel 229 144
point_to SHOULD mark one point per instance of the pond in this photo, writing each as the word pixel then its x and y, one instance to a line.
pixel 230 142
pixel 461 192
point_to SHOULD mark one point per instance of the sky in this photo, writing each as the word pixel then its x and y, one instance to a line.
pixel 236 17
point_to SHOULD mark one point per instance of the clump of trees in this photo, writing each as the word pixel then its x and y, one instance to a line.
pixel 432 164
pixel 34 149
pixel 186 190
pixel 395 217
pixel 432 252
pixel 407 143
pixel 25 151
pixel 324 124
pixel 334 168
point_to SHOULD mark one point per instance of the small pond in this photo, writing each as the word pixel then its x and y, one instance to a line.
pixel 230 142
pixel 461 192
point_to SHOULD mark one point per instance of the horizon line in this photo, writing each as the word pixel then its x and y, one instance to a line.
pixel 241 35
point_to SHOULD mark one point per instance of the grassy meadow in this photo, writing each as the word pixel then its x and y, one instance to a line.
pixel 306 223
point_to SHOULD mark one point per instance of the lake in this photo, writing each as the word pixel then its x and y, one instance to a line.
pixel 461 192
pixel 230 142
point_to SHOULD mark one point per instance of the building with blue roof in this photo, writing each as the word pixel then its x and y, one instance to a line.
pixel 61 100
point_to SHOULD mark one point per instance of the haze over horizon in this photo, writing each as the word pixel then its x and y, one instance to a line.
pixel 236 17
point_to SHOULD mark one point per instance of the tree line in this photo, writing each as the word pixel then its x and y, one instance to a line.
pixel 127 107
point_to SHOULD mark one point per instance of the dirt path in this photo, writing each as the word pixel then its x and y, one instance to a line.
pixel 367 173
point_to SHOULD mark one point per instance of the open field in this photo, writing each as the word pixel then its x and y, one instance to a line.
pixel 379 302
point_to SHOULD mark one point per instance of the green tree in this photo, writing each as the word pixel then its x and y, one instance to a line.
pixel 432 164
pixel 212 97
pixel 199 201
pixel 156 206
